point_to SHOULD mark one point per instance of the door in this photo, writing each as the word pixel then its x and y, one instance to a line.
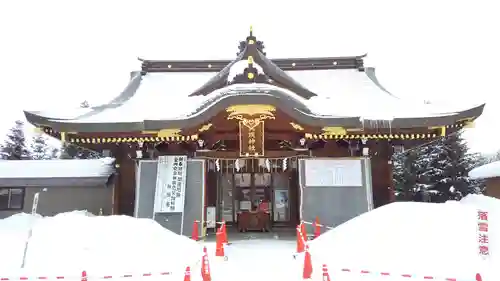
pixel 281 198
pixel 281 209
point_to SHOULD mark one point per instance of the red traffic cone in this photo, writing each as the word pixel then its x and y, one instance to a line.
pixel 205 268
pixel 303 230
pixel 219 246
pixel 300 241
pixel 478 277
pixel 84 275
pixel 317 228
pixel 194 233
pixel 224 233
pixel 187 274
pixel 307 272
pixel 326 275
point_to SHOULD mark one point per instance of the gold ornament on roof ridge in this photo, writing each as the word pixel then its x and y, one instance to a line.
pixel 205 127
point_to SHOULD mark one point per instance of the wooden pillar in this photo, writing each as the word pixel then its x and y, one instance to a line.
pixel 116 153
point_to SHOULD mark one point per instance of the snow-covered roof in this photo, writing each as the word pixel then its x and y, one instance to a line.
pixel 318 92
pixel 35 171
pixel 341 93
pixel 490 170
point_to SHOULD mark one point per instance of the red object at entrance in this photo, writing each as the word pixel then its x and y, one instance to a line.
pixel 300 241
pixel 194 234
pixel 308 270
pixel 317 228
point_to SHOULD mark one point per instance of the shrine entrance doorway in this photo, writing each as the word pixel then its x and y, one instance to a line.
pixel 258 197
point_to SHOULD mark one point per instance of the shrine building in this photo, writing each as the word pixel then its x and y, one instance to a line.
pixel 256 141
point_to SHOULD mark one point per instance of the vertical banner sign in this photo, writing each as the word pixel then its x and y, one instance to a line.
pixel 170 184
pixel 251 137
pixel 483 234
pixel 35 203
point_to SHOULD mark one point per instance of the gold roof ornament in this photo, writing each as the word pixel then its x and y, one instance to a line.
pixel 249 38
pixel 297 126
pixel 250 60
pixel 263 111
pixel 334 131
pixel 168 133
pixel 205 127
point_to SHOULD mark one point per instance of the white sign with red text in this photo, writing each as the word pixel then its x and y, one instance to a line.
pixel 483 238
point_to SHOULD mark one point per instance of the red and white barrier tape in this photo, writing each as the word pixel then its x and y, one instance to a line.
pixel 79 277
pixel 426 277
pixel 320 225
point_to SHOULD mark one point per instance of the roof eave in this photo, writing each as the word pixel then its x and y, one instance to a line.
pixel 444 120
pixel 290 109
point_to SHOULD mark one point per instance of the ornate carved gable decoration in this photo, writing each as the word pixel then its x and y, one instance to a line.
pixel 251 39
pixel 251 126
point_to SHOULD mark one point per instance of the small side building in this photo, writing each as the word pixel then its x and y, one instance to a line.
pixel 63 186
pixel 491 173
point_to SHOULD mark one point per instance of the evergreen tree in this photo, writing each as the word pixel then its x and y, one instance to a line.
pixel 54 153
pixel 14 147
pixel 71 151
pixel 437 171
pixel 405 175
pixel 39 148
pixel 450 168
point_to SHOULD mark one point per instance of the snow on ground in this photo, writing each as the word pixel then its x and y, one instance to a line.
pixel 408 238
pixel 102 245
pixel 250 260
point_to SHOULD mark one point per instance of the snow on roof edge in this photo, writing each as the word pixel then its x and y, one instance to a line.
pixel 57 168
pixel 490 170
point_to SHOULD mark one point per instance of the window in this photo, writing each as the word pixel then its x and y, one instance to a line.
pixel 11 198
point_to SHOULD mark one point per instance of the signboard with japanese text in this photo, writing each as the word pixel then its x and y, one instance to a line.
pixel 483 239
pixel 170 184
pixel 333 173
pixel 251 138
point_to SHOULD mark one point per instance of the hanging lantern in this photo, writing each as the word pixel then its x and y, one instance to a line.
pixel 285 164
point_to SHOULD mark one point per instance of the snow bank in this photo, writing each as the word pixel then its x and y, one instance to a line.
pixel 71 242
pixel 490 170
pixel 405 237
pixel 14 231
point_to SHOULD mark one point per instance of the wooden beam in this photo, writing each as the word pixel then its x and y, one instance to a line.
pixel 236 154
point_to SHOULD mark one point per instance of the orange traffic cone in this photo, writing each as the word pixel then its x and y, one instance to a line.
pixel 84 275
pixel 326 275
pixel 303 230
pixel 300 241
pixel 187 274
pixel 194 233
pixel 478 277
pixel 307 272
pixel 219 246
pixel 205 267
pixel 317 228
pixel 224 233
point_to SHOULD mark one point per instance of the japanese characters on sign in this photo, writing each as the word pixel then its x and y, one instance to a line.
pixel 251 138
pixel 170 184
pixel 482 233
pixel 251 141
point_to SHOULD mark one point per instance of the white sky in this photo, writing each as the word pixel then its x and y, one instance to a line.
pixel 59 53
